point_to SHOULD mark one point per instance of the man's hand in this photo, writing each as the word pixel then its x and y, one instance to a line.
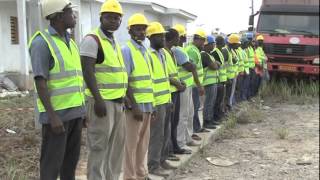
pixel 181 87
pixel 100 108
pixel 201 90
pixel 56 124
pixel 137 114
pixel 85 122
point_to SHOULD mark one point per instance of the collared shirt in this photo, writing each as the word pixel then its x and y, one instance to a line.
pixel 179 55
pixel 42 62
pixel 126 53
pixel 89 46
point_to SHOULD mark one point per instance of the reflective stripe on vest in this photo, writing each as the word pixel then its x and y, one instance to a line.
pixel 183 74
pixel 111 75
pixel 65 81
pixel 230 68
pixel 246 61
pixel 192 48
pixel 172 69
pixel 140 79
pixel 223 68
pixel 210 76
pixel 241 60
pixel 250 52
pixel 161 84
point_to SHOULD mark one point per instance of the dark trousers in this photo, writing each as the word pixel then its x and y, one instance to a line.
pixel 220 103
pixel 228 93
pixel 252 82
pixel 196 106
pixel 245 88
pixel 60 153
pixel 239 86
pixel 175 98
pixel 257 83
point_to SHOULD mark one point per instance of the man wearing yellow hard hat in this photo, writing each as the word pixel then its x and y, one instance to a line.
pixel 58 82
pixel 162 98
pixel 141 98
pixel 261 64
pixel 193 50
pixel 106 85
pixel 232 70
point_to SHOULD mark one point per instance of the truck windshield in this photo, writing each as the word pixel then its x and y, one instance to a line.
pixel 289 24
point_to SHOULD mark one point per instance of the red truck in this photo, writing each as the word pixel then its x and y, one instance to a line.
pixel 291 36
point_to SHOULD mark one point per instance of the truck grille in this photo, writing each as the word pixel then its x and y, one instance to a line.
pixel 291 49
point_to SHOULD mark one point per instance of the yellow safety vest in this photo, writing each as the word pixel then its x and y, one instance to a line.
pixel 140 79
pixel 192 48
pixel 231 73
pixel 161 84
pixel 65 80
pixel 183 74
pixel 223 68
pixel 250 52
pixel 241 60
pixel 111 74
pixel 172 69
pixel 210 76
pixel 261 57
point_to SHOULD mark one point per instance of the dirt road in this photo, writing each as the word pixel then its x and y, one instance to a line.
pixel 259 153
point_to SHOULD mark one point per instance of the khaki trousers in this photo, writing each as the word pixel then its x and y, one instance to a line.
pixel 106 140
pixel 136 148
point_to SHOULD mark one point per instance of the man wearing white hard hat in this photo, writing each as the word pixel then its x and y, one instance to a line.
pixel 58 82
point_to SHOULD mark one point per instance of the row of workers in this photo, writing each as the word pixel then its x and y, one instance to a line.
pixel 140 104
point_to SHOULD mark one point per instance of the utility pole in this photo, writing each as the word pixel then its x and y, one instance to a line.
pixel 252 7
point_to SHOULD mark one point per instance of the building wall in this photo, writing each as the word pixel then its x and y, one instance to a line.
pixel 10 54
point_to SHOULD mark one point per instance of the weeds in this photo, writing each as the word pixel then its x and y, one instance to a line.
pixel 297 91
pixel 282 133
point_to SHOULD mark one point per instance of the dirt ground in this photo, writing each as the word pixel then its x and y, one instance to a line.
pixel 256 147
pixel 259 153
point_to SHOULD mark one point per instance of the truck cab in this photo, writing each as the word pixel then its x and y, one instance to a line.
pixel 291 35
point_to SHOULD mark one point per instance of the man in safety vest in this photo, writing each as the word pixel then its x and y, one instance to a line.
pixel 251 56
pixel 220 55
pixel 241 72
pixel 59 90
pixel 193 50
pixel 140 98
pixel 210 82
pixel 162 97
pixel 106 81
pixel 261 63
pixel 187 73
pixel 176 86
pixel 233 43
pixel 244 94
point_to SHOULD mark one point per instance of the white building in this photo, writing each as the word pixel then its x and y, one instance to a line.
pixel 19 19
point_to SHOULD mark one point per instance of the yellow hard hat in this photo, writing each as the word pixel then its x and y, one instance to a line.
pixel 234 39
pixel 49 7
pixel 111 6
pixel 155 28
pixel 201 33
pixel 137 19
pixel 181 29
pixel 260 37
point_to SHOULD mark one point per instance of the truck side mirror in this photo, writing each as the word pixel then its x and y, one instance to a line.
pixel 251 20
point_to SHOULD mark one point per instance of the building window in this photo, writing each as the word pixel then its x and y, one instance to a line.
pixel 14 30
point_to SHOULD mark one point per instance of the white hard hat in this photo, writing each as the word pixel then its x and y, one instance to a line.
pixel 49 7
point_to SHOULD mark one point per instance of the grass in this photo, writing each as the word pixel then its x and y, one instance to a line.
pixel 282 133
pixel 292 91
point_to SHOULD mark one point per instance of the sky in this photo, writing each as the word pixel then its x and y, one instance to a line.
pixel 227 15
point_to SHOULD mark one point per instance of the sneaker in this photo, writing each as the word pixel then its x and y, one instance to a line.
pixel 168 166
pixel 160 172
pixel 196 137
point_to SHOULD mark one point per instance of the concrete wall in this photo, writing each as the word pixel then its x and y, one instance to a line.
pixel 9 53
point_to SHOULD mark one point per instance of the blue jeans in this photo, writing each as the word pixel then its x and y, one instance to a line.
pixel 196 105
pixel 209 103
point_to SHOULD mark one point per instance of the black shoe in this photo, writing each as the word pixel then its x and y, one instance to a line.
pixel 183 151
pixel 209 126
pixel 215 123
